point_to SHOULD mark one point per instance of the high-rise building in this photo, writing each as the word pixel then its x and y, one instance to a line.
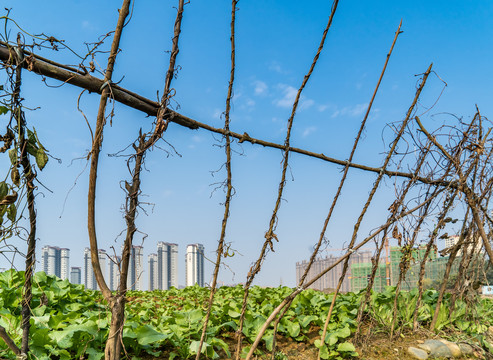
pixel 75 275
pixel 152 260
pixel 165 270
pixel 114 271
pixel 194 265
pixel 163 267
pixel 172 265
pixel 89 277
pixel 55 261
pixel 135 268
pixel 64 263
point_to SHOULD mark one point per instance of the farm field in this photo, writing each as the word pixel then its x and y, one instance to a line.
pixel 69 322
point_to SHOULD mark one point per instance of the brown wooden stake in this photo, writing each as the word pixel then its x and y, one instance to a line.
pixel 229 185
pixel 9 342
pixel 116 304
pixel 270 236
pixel 151 108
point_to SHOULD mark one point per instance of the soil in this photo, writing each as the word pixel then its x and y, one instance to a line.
pixel 372 345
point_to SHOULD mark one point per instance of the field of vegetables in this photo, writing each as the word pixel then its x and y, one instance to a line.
pixel 70 323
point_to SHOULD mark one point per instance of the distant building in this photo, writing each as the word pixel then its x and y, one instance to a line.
pixel 163 267
pixel 153 279
pixel 135 268
pixel 89 276
pixel 387 272
pixel 55 261
pixel 167 265
pixel 451 241
pixel 75 275
pixel 194 265
pixel 114 272
pixel 471 244
pixel 331 278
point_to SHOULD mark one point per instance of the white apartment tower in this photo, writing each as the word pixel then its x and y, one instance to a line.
pixel 64 263
pixel 167 265
pixel 194 265
pixel 55 261
pixel 89 277
pixel 152 260
pixel 75 275
pixel 163 267
pixel 114 272
pixel 135 268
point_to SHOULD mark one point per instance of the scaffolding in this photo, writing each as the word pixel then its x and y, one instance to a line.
pixel 388 270
pixel 360 275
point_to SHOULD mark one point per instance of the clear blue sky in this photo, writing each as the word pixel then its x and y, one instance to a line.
pixel 276 42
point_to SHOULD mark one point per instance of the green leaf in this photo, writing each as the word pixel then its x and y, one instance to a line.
pixel 13 156
pixel 11 212
pixel 3 109
pixel 233 314
pixel 221 344
pixel 32 149
pixel 293 329
pixel 41 158
pixel 344 332
pixel 147 335
pixel 194 347
pixel 63 338
pixel 324 353
pixel 269 341
pixel 40 337
pixel 443 317
pixel 346 346
pixel 332 339
pixel 307 320
pixel 40 278
pixel 94 354
pixel 4 189
pixel 31 137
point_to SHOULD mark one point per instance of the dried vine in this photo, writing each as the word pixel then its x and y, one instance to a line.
pixel 270 235
pixel 229 185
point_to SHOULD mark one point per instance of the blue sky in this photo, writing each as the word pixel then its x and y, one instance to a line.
pixel 276 42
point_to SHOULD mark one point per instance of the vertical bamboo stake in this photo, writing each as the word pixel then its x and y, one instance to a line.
pixel 96 149
pixel 270 235
pixel 116 304
pixel 29 177
pixel 229 186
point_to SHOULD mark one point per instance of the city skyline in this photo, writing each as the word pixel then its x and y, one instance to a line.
pixel 162 272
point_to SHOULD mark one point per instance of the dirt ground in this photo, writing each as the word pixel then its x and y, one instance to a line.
pixel 372 345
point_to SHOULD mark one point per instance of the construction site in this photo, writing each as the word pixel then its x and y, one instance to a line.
pixel 387 270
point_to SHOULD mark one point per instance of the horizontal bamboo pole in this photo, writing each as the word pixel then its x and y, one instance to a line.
pixel 82 79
